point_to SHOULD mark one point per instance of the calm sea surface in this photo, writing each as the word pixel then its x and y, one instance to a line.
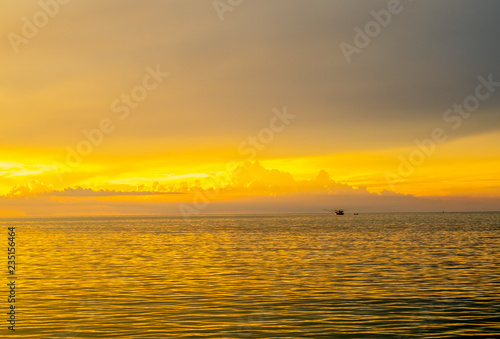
pixel 425 275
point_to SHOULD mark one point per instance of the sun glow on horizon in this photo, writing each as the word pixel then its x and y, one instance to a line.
pixel 147 111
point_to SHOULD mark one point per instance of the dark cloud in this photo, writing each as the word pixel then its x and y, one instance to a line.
pixel 226 76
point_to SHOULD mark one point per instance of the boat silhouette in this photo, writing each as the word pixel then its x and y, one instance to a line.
pixel 337 212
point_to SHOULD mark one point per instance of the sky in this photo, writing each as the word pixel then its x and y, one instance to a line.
pixel 192 107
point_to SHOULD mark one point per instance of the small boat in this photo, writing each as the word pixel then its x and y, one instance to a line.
pixel 355 213
pixel 337 212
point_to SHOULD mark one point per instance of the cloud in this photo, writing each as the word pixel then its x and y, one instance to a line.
pixel 394 91
pixel 252 188
pixel 35 188
pixel 13 169
pixel 251 178
pixel 31 188
pixel 88 192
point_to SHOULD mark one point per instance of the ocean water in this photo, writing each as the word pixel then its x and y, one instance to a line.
pixel 427 275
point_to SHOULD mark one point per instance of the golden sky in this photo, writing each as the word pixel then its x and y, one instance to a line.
pixel 130 107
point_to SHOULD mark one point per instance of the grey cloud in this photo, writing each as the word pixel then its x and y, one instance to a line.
pixel 229 75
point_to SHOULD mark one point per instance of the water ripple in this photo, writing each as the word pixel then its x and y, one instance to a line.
pixel 311 276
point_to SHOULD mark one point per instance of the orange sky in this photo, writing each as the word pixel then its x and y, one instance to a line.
pixel 162 107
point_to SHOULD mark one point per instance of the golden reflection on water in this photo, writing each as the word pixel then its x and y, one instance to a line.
pixel 316 276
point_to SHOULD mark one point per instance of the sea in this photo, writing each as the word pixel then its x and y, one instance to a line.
pixel 392 275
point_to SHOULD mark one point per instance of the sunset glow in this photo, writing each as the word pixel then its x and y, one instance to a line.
pixel 143 113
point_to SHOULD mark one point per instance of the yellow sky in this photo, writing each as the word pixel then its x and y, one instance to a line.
pixel 165 98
